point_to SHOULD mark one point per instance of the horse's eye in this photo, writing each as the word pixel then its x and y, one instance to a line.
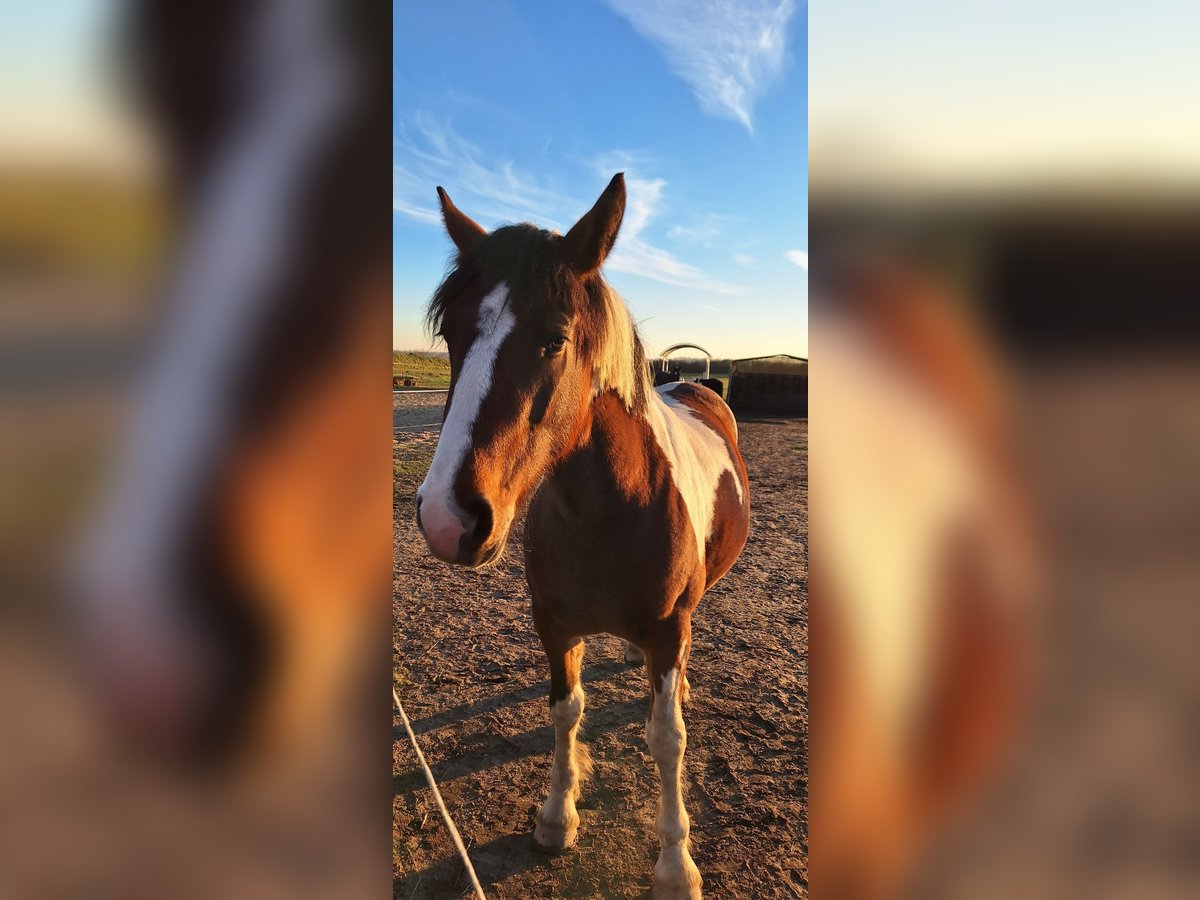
pixel 554 345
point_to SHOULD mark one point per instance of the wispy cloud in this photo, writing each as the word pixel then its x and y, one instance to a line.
pixel 728 53
pixel 610 162
pixel 430 152
pixel 744 259
pixel 408 194
pixel 799 257
pixel 636 256
pixel 701 230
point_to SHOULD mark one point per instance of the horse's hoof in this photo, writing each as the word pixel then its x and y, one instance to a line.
pixel 634 656
pixel 684 888
pixel 554 838
pixel 676 876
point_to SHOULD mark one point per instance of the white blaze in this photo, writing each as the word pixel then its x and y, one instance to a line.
pixel 440 515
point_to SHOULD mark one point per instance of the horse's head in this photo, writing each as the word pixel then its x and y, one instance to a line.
pixel 533 333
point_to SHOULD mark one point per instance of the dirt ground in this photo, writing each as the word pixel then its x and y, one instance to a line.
pixel 470 671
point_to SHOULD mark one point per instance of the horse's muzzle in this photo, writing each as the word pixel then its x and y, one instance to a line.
pixel 457 538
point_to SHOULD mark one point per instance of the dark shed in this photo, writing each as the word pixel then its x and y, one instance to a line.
pixel 776 383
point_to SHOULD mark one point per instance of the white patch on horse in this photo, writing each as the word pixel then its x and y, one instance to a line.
pixel 439 512
pixel 675 874
pixel 698 456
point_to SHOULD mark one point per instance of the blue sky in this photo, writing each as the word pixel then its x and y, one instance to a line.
pixel 524 111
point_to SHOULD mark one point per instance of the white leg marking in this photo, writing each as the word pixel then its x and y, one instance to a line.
pixel 557 820
pixel 675 874
pixel 440 515
pixel 634 655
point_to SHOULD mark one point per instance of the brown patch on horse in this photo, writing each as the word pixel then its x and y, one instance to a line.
pixel 730 524
pixel 731 527
pixel 624 448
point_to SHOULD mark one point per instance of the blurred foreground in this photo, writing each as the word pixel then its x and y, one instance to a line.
pixel 195 543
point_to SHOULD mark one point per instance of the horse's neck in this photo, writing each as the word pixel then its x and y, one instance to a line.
pixel 613 459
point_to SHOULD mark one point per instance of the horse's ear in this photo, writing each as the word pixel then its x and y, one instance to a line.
pixel 463 230
pixel 590 239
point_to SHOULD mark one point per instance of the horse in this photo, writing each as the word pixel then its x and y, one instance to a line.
pixel 638 498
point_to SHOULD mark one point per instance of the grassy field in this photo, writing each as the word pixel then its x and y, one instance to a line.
pixel 434 371
pixel 414 463
pixel 429 371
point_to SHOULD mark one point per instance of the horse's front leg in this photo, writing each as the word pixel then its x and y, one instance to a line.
pixel 635 656
pixel 675 874
pixel 557 820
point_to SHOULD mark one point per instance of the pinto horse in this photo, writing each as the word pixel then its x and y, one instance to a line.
pixel 639 496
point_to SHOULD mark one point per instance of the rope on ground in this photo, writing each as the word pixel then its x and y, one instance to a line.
pixel 437 795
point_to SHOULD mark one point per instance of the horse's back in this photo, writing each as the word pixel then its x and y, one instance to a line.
pixel 706 404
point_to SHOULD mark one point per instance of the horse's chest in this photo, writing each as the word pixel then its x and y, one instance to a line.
pixel 610 564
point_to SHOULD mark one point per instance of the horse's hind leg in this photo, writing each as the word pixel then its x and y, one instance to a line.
pixel 675 874
pixel 557 820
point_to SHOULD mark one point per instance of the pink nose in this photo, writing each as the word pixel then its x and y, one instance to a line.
pixel 444 543
pixel 454 537
pixel 443 530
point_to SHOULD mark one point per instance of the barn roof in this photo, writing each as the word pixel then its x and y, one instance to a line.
pixel 780 363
